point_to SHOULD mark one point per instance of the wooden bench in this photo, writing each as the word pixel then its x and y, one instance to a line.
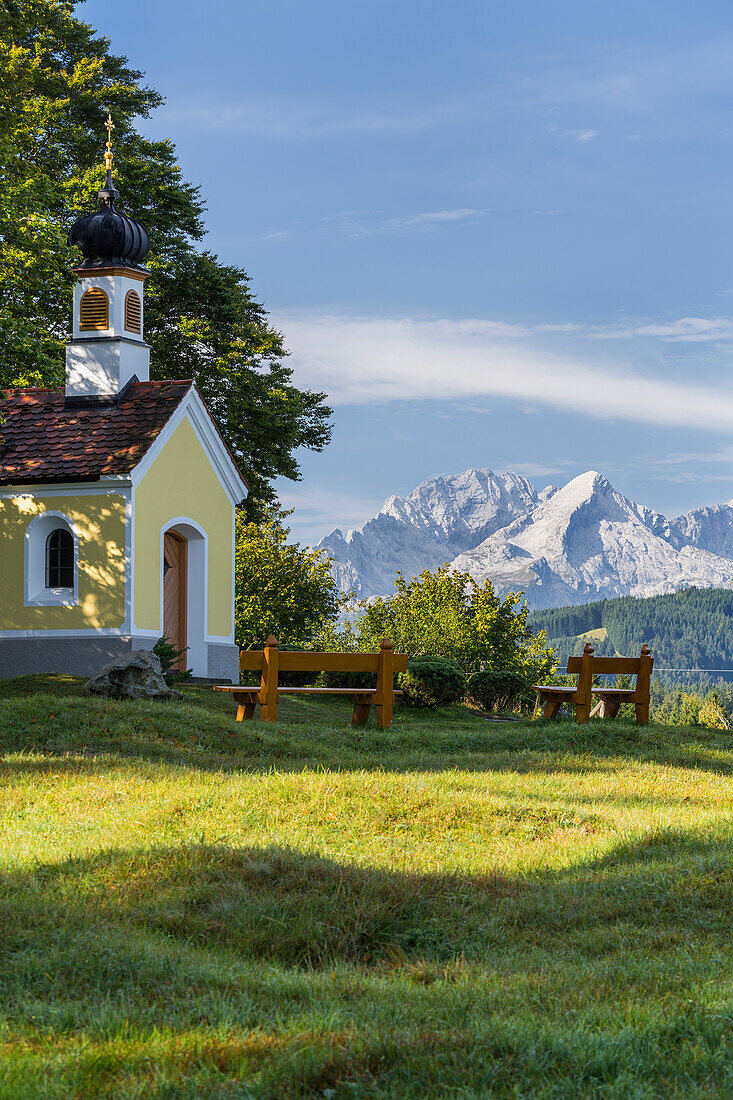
pixel 610 699
pixel 579 696
pixel 586 666
pixel 271 662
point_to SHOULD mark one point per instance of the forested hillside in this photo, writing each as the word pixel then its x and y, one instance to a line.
pixel 690 629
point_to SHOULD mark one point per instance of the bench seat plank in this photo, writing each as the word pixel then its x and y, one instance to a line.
pixel 553 690
pixel 301 690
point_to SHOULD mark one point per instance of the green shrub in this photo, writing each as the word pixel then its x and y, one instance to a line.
pixel 432 682
pixel 448 614
pixel 496 690
pixel 350 679
pixel 167 654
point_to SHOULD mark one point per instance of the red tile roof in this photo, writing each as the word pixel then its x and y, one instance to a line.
pixel 43 440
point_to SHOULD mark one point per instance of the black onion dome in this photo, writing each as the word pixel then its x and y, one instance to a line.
pixel 108 238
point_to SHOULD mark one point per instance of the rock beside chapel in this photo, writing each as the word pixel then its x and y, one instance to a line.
pixel 136 675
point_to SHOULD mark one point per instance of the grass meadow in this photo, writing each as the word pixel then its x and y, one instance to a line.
pixel 454 907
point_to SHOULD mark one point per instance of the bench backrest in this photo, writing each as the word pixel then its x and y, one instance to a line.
pixel 270 661
pixel 640 666
pixel 253 660
pixel 581 665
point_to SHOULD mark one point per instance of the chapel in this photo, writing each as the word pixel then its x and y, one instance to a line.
pixel 117 493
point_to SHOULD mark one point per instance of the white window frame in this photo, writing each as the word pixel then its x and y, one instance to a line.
pixel 34 572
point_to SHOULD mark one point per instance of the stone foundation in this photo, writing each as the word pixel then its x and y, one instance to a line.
pixel 86 656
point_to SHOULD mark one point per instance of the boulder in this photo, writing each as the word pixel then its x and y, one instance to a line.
pixel 137 675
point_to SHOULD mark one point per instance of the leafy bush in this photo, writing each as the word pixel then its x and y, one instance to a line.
pixel 280 588
pixel 495 690
pixel 350 679
pixel 432 682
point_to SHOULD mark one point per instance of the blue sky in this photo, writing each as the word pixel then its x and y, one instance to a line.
pixel 497 234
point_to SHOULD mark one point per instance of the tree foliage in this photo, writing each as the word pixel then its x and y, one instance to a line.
pixel 448 614
pixel 279 588
pixel 202 320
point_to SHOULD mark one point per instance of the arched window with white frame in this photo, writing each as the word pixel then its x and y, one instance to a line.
pixel 51 561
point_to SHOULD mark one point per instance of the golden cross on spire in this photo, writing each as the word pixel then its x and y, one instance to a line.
pixel 108 155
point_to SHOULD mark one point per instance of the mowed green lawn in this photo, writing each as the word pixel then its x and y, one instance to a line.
pixel 451 908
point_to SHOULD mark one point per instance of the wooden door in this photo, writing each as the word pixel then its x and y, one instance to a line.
pixel 175 584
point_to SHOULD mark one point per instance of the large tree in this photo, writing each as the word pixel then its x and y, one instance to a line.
pixel 57 76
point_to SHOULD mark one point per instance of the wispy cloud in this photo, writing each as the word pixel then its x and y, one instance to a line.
pixel 361 223
pixel 611 86
pixel 540 469
pixel 303 119
pixel 713 456
pixel 436 217
pixel 635 82
pixel 576 135
pixel 690 330
pixel 365 360
pixel 691 477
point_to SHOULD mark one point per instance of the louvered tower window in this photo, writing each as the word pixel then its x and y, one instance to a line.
pixel 93 310
pixel 60 559
pixel 133 311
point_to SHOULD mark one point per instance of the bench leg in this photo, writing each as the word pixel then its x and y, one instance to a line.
pixel 361 714
pixel 582 713
pixel 611 710
pixel 245 707
pixel 384 716
pixel 642 714
pixel 551 708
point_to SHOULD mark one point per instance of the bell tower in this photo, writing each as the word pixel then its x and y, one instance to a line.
pixel 108 350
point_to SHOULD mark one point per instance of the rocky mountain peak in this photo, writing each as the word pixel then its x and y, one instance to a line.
pixel 439 519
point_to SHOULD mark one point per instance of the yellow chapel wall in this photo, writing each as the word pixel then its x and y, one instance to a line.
pixel 100 522
pixel 181 482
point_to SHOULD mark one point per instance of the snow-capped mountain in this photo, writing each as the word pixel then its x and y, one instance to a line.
pixel 589 542
pixel 438 520
pixel 579 543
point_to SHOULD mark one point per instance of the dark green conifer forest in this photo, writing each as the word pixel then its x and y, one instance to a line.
pixel 687 630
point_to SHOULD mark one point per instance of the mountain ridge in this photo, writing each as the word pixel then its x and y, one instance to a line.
pixel 434 523
pixel 575 543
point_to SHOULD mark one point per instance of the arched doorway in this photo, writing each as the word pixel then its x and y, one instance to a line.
pixel 175 592
pixel 184 591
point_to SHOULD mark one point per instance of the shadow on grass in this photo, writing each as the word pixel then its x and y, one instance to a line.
pixel 467 982
pixel 299 909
